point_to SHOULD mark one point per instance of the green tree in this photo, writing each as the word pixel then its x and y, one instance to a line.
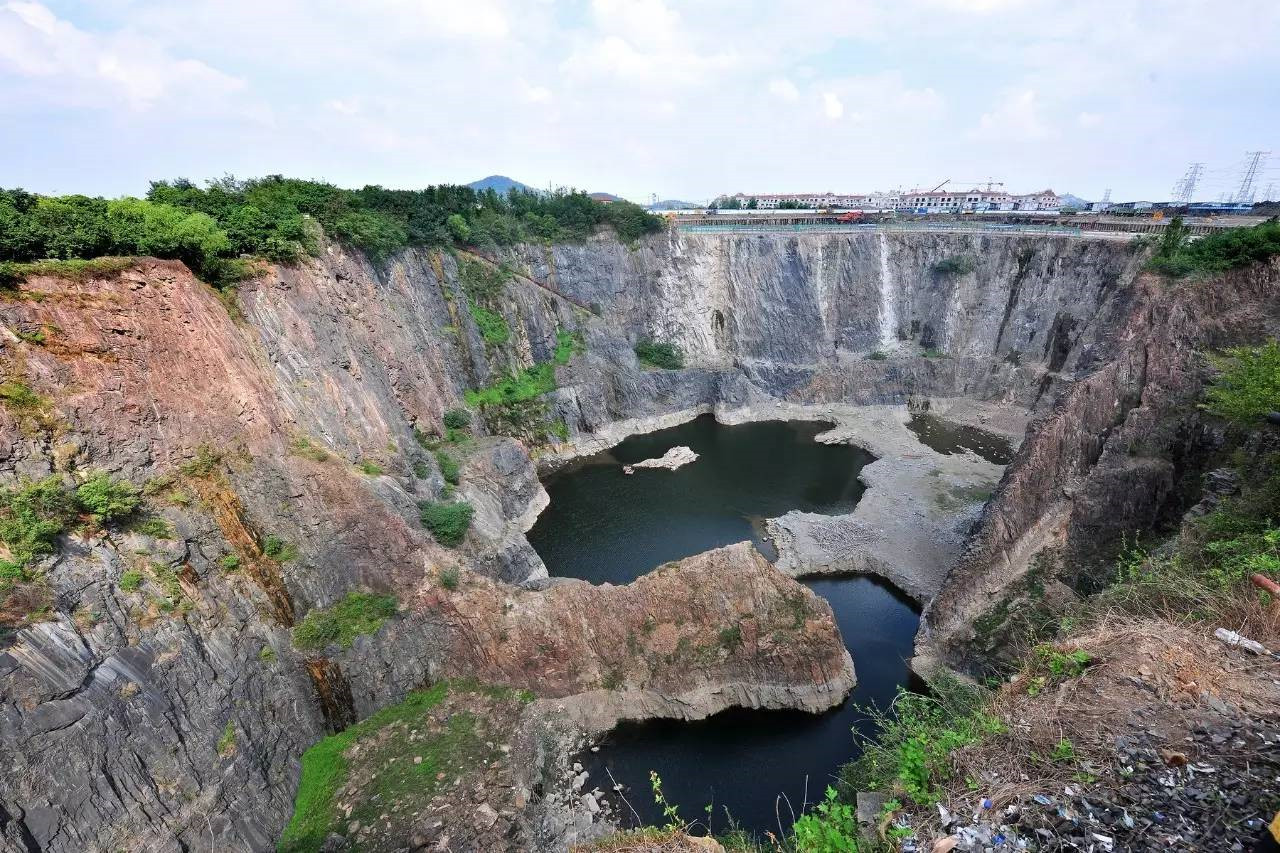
pixel 1248 386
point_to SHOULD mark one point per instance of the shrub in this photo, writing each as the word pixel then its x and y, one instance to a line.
pixel 279 550
pixel 130 580
pixel 1176 256
pixel 1247 388
pixel 230 562
pixel 106 499
pixel 934 352
pixel 449 578
pixel 448 522
pixel 449 467
pixel 357 614
pixel 369 467
pixel 31 518
pixel 457 419
pixel 955 265
pixel 661 355
pixel 878 355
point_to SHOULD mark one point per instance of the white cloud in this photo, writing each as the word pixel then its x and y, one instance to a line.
pixel 72 66
pixel 1087 119
pixel 831 105
pixel 784 89
pixel 534 94
pixel 1016 116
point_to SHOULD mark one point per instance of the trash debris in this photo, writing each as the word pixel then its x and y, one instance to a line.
pixel 1234 640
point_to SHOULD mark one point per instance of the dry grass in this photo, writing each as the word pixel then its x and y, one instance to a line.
pixel 1146 674
pixel 649 840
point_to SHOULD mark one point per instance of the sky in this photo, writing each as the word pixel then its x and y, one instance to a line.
pixel 684 100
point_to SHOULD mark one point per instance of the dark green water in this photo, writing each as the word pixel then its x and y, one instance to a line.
pixel 948 438
pixel 605 526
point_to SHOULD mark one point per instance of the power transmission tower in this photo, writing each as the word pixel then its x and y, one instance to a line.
pixel 1256 159
pixel 1184 191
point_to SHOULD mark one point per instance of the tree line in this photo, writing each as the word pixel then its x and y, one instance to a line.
pixel 215 228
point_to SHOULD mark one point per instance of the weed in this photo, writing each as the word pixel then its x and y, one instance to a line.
pixel 568 344
pixel 130 580
pixel 449 578
pixel 878 355
pixel 267 654
pixel 917 735
pixel 449 467
pixel 829 828
pixel 664 356
pixel 230 562
pixel 730 638
pixel 307 449
pixel 227 743
pixel 357 614
pixel 1063 751
pixel 153 526
pixel 278 549
pixel 448 522
pixel 369 467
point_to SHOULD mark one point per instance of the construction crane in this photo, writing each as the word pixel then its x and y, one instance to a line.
pixel 988 184
pixel 940 186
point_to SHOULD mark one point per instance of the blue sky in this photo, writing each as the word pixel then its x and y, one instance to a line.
pixel 682 99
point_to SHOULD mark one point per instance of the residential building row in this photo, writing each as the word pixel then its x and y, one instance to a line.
pixel 919 201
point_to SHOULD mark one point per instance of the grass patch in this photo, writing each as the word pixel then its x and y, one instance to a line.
pixel 568 344
pixel 130 580
pixel 911 754
pixel 357 614
pixel 227 743
pixel 153 526
pixel 661 355
pixel 878 355
pixel 230 562
pixel 492 325
pixel 306 448
pixel 447 521
pixel 450 469
pixel 457 746
pixel 76 269
pixel 370 468
pixel 529 383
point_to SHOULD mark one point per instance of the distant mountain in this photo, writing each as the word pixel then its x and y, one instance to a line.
pixel 1069 200
pixel 674 204
pixel 500 184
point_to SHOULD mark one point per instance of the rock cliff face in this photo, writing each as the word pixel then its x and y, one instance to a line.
pixel 248 426
pixel 1111 454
